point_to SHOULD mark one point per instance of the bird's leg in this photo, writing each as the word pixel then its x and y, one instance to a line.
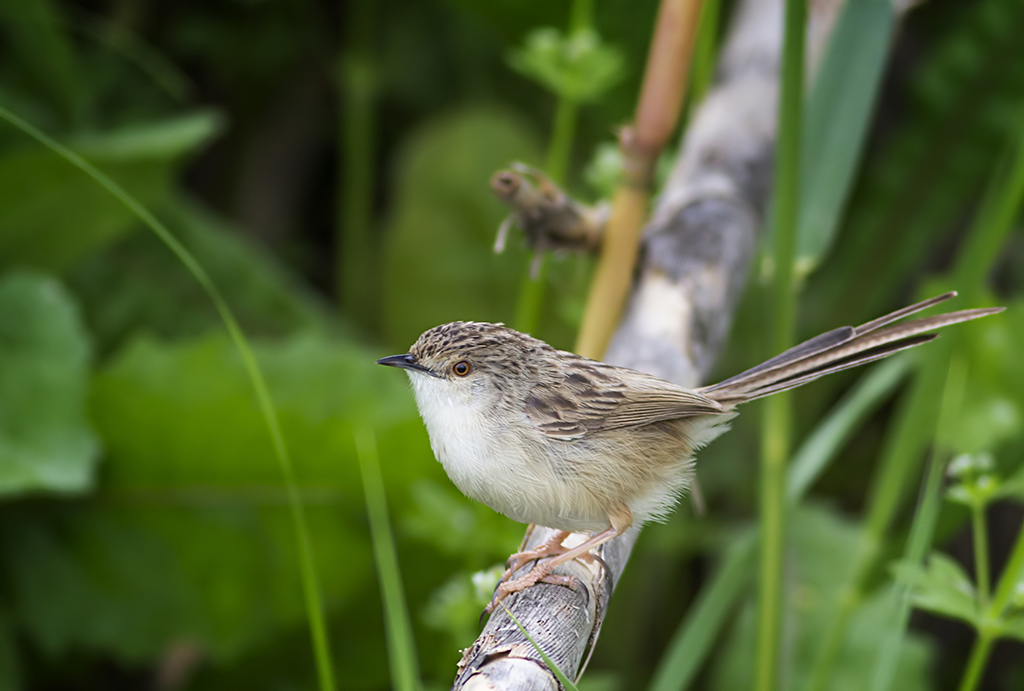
pixel 499 242
pixel 620 522
pixel 550 548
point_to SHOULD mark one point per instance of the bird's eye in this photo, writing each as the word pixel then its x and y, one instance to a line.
pixel 461 368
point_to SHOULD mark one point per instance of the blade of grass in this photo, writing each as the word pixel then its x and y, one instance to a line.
pixel 402 658
pixel 903 450
pixel 777 419
pixel 562 679
pixel 698 632
pixel 994 219
pixel 357 83
pixel 693 639
pixel 839 110
pixel 307 566
pixel 835 430
pixel 922 532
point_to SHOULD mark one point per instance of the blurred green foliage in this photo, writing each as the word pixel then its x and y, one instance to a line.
pixel 144 533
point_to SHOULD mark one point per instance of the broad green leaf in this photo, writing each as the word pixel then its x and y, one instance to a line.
pixel 46 443
pixel 944 588
pixel 838 111
pixel 158 140
pixel 578 67
pixel 190 537
pixel 438 260
pixel 822 546
pixel 51 214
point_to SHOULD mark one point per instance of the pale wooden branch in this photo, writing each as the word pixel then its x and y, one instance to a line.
pixel 697 249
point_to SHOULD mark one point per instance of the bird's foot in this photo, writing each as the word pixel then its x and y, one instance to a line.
pixel 538 574
pixel 551 548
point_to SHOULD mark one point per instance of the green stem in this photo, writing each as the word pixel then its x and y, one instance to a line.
pixel 980 536
pixel 402 658
pixel 922 531
pixel 993 222
pixel 307 565
pixel 977 662
pixel 354 267
pixel 531 295
pixel 901 456
pixel 1011 576
pixel 777 421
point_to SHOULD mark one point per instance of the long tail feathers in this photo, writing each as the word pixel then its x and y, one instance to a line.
pixel 837 350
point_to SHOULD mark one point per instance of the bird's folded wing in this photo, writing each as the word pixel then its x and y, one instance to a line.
pixel 605 399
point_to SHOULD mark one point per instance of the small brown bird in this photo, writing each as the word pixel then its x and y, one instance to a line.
pixel 547 437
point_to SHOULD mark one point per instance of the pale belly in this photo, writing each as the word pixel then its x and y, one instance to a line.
pixel 498 469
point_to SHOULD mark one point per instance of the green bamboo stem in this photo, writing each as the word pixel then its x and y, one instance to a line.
pixel 777 420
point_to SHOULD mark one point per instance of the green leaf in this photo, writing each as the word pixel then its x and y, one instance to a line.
pixel 45 440
pixel 161 140
pixel 1014 627
pixel 578 67
pixel 51 214
pixel 839 109
pixel 190 537
pixel 821 548
pixel 438 260
pixel 944 588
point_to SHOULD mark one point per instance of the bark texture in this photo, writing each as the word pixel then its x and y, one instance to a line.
pixel 696 253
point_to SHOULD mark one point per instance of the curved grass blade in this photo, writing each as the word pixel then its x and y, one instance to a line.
pixel 562 679
pixel 922 532
pixel 402 658
pixel 833 432
pixel 310 586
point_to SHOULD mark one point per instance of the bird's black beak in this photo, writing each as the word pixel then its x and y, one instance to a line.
pixel 405 361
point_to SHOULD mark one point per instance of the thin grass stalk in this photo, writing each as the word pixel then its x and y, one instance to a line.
pixel 902 450
pixel 531 294
pixel 977 662
pixel 556 165
pixel 565 681
pixel 657 114
pixel 994 219
pixel 777 420
pixel 355 265
pixel 307 566
pixel 695 638
pixel 402 658
pixel 1008 583
pixel 979 535
pixel 922 531
pixel 704 52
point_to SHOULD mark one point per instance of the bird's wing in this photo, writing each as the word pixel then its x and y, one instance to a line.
pixel 592 397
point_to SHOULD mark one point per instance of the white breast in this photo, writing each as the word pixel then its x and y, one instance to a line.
pixel 483 464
